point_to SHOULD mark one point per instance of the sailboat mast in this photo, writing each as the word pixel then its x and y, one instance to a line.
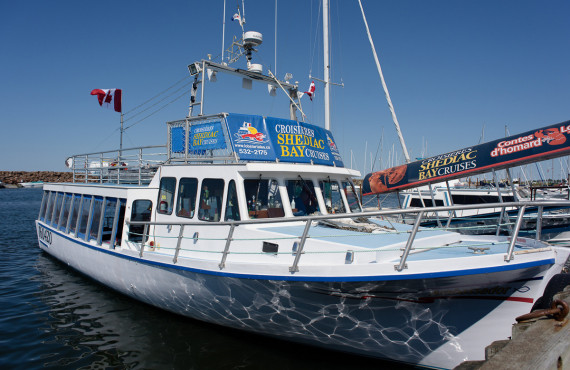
pixel 390 105
pixel 326 52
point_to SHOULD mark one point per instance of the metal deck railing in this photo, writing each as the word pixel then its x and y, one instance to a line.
pixel 308 220
pixel 131 166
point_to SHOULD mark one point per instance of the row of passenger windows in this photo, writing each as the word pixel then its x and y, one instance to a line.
pixel 263 198
pixel 86 216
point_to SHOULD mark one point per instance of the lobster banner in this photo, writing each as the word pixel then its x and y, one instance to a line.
pixel 532 146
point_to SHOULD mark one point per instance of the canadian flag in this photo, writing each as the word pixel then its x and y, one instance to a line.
pixel 311 91
pixel 109 97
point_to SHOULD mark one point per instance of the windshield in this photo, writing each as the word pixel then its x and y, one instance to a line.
pixel 332 197
pixel 263 198
pixel 351 196
pixel 302 197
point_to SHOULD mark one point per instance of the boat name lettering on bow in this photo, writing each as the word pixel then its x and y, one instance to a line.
pixel 44 234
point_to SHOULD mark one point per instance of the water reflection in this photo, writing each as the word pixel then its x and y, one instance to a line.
pixel 89 326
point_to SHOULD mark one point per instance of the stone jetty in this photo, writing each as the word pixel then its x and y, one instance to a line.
pixel 16 177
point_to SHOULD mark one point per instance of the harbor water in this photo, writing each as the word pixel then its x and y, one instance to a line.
pixel 54 317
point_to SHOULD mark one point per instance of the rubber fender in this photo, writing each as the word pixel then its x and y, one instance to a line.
pixel 555 285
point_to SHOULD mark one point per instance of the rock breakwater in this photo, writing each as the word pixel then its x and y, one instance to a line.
pixel 16 177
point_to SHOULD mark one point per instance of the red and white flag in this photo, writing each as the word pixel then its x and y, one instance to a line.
pixel 311 91
pixel 110 98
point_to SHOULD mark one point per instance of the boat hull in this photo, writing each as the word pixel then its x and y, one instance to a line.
pixel 433 322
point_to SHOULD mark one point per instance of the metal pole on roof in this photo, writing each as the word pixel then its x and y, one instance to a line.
pixel 326 63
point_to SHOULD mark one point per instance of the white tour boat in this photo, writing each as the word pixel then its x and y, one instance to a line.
pixel 253 223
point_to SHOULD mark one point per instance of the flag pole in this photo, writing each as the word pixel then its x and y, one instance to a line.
pixel 121 143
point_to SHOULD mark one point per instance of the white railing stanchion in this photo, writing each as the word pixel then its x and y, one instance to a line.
pixel 539 223
pixel 515 234
pixel 402 265
pixel 178 243
pixel 295 267
pixel 143 241
pixel 222 264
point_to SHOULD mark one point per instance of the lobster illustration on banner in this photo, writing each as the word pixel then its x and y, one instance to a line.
pixel 552 136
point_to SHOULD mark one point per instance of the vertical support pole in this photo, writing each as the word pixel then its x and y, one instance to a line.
pixel 409 243
pixel 140 166
pixel 539 222
pixel 515 195
pixel 222 264
pixel 115 223
pixel 327 67
pixel 502 215
pixel 434 205
pixel 515 234
pixel 101 167
pixel 295 267
pixel 119 165
pixel 89 219
pixel 86 168
pixel 400 215
pixel 101 220
pixel 186 140
pixel 203 73
pixel 145 232
pixel 178 243
pixel 73 168
pixel 451 213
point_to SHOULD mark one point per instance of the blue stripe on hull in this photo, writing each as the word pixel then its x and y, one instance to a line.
pixel 432 275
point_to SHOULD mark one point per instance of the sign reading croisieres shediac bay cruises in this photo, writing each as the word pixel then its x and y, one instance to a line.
pixel 269 139
pixel 532 146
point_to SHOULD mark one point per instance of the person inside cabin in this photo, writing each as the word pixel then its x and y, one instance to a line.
pixel 204 205
pixel 305 200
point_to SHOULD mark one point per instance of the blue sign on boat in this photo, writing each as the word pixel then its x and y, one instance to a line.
pixel 250 138
pixel 203 136
pixel 271 139
pixel 206 136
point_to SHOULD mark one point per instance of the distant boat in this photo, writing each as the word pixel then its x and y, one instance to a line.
pixel 33 184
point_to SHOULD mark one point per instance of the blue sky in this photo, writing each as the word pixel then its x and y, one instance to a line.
pixel 452 68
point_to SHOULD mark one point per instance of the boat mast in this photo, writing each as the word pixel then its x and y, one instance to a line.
pixel 326 63
pixel 394 118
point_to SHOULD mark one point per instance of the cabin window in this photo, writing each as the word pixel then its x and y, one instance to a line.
pixel 96 218
pixel 119 223
pixel 45 213
pixel 211 196
pixel 351 196
pixel 332 196
pixel 75 213
pixel 302 197
pixel 54 216
pixel 232 209
pixel 263 198
pixel 49 207
pixel 166 195
pixel 141 211
pixel 45 199
pixel 108 219
pixel 84 216
pixel 57 209
pixel 187 192
pixel 65 211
